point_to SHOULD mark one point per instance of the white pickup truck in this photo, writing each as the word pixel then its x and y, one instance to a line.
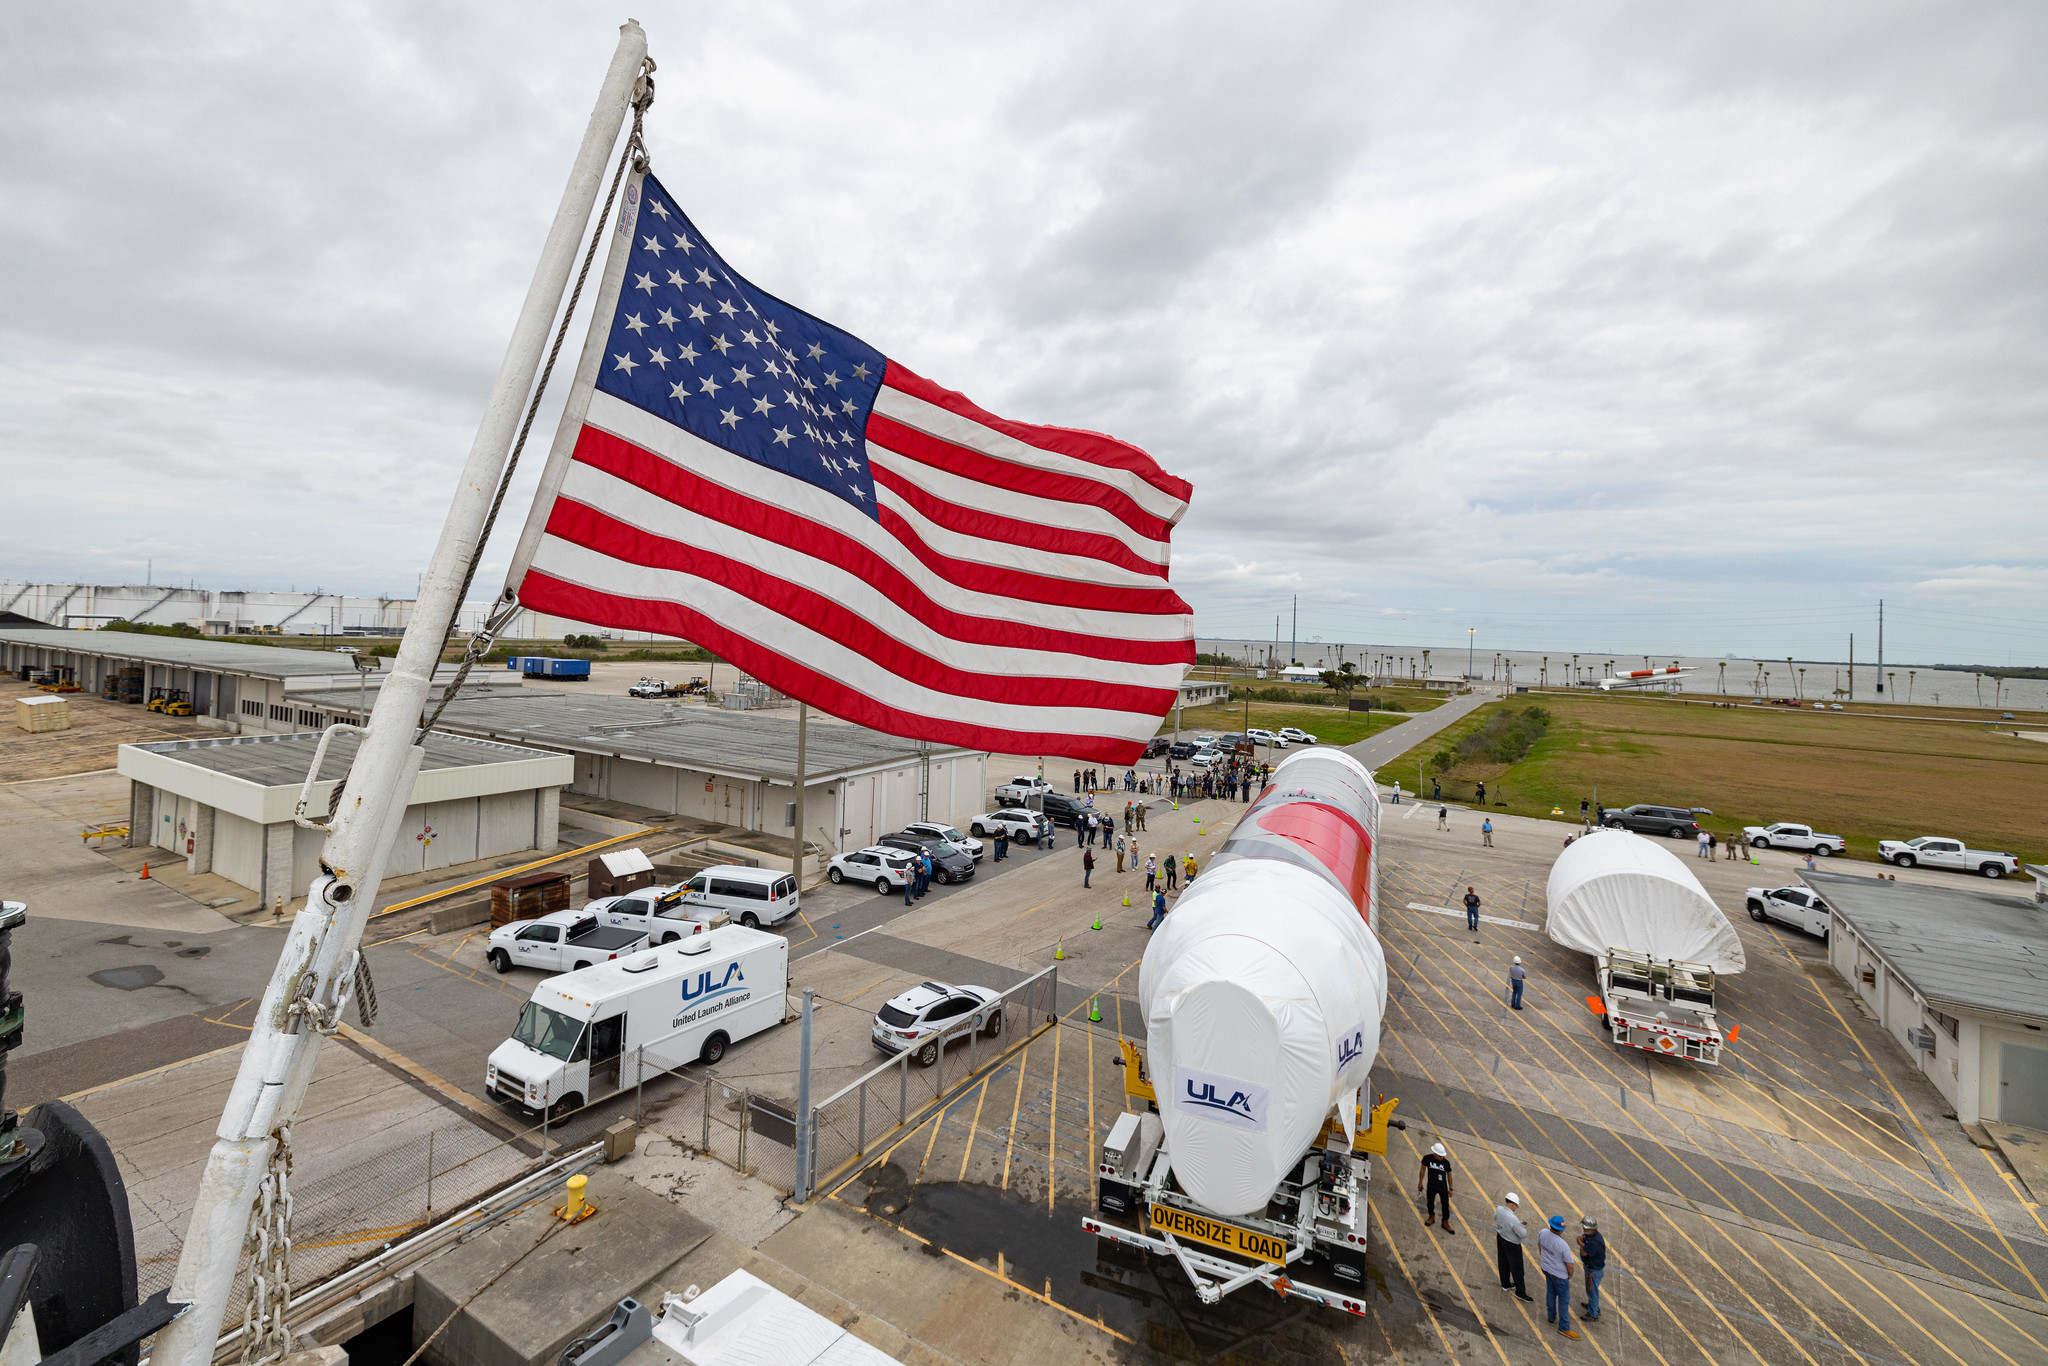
pixel 661 913
pixel 1794 906
pixel 562 942
pixel 1020 790
pixel 1787 835
pixel 1935 851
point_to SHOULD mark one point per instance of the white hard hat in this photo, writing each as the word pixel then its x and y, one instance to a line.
pixel 1518 958
pixel 1438 1149
pixel 1512 1198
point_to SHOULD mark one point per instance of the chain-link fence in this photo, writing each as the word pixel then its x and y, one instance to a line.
pixel 877 1105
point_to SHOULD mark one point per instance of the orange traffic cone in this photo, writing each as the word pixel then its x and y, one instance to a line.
pixel 145 867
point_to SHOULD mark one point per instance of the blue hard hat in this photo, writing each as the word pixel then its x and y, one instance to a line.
pixel 1557 1223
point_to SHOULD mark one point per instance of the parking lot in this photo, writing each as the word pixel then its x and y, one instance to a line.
pixel 1804 1202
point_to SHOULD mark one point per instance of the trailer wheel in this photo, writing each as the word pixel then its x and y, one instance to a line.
pixel 835 876
pixel 501 960
pixel 714 1048
pixel 1607 1024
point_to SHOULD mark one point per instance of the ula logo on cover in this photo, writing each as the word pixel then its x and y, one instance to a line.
pixel 703 989
pixel 1222 1098
pixel 1350 1048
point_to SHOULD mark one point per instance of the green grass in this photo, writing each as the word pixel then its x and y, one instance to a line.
pixel 1330 725
pixel 1864 777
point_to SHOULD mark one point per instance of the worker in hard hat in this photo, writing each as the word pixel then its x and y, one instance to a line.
pixel 1434 1181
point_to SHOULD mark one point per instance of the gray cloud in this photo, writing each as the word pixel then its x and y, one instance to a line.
pixel 1614 314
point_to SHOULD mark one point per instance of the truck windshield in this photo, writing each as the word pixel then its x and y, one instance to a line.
pixel 547 1031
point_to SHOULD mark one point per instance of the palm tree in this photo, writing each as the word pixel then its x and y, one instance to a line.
pixel 1909 685
pixel 1800 690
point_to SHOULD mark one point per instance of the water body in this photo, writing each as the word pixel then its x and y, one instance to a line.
pixel 1823 681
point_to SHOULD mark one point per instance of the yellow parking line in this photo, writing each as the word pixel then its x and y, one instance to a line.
pixel 974 1126
pixel 1052 1122
pixel 1010 1142
pixel 1415 1287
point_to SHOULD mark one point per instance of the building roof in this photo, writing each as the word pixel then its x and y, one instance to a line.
pixel 737 744
pixel 1955 946
pixel 219 656
pixel 258 776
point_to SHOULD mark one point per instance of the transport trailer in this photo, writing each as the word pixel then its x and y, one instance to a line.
pixel 1658 942
pixel 1309 1241
pixel 1247 1161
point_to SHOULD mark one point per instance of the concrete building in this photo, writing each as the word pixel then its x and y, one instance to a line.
pixel 1956 976
pixel 736 768
pixel 235 686
pixel 225 805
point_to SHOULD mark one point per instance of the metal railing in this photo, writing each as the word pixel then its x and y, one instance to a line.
pixel 875 1106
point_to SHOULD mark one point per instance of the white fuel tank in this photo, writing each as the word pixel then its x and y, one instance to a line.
pixel 1264 990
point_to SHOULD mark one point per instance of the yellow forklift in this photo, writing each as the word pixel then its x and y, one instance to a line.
pixel 156 699
pixel 177 702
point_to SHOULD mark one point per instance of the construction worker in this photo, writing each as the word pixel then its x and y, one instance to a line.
pixel 1190 870
pixel 1509 1233
pixel 1554 1257
pixel 1434 1182
pixel 1158 911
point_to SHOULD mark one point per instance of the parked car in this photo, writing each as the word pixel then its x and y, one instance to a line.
pixel 886 870
pixel 1935 851
pixel 660 913
pixel 1061 809
pixel 1206 758
pixel 941 830
pixel 949 862
pixel 752 896
pixel 1266 738
pixel 1022 789
pixel 1023 827
pixel 918 1021
pixel 1158 745
pixel 561 942
pixel 1182 749
pixel 1296 735
pixel 1675 821
pixel 1786 835
pixel 1794 906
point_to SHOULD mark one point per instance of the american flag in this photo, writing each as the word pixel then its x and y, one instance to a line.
pixel 776 490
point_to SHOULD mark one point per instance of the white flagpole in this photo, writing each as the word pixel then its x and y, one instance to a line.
pixel 310 984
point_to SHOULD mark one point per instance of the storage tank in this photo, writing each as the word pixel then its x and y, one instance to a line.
pixel 1616 890
pixel 1264 989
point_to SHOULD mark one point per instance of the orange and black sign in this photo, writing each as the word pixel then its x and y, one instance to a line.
pixel 1244 1242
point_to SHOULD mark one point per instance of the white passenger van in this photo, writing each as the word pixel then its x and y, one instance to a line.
pixel 751 896
pixel 583 1032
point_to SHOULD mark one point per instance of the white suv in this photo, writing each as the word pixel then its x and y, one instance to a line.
pixel 941 830
pixel 884 869
pixel 1023 827
pixel 1297 735
pixel 920 1019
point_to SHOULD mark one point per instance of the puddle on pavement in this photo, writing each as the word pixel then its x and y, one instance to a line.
pixel 1148 1300
pixel 194 953
pixel 128 979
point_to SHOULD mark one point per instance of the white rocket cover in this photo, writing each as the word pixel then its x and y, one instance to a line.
pixel 1263 994
pixel 1616 890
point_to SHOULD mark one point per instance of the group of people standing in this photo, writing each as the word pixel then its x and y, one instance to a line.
pixel 1237 779
pixel 1554 1254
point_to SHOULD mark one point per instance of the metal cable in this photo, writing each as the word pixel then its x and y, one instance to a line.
pixel 635 153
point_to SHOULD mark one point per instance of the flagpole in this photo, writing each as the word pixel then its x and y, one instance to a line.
pixel 310 985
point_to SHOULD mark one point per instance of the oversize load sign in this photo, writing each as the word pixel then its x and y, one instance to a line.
pixel 1229 1237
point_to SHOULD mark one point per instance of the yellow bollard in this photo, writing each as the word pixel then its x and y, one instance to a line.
pixel 574 1206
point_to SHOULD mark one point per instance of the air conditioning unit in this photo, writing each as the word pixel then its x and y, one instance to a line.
pixel 1921 1037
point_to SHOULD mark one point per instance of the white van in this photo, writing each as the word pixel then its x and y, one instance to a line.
pixel 751 896
pixel 582 1032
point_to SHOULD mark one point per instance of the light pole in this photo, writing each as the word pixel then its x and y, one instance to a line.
pixel 1470 633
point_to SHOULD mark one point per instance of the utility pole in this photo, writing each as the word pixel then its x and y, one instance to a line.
pixel 1294 634
pixel 1880 647
pixel 1852 666
pixel 1471 633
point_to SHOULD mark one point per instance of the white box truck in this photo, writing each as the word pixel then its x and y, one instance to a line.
pixel 595 1031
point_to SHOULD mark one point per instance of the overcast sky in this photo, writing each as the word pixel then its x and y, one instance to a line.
pixel 1680 329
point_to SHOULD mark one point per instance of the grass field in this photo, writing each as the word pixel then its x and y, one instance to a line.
pixel 1331 725
pixel 1863 777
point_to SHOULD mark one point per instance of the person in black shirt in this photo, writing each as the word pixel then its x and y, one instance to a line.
pixel 1435 1181
pixel 1592 1257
